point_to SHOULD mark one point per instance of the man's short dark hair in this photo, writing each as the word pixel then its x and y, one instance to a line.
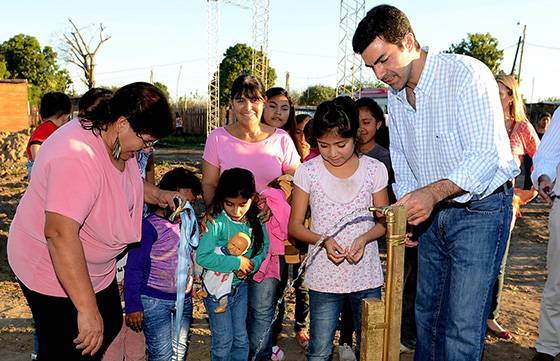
pixel 386 22
pixel 545 114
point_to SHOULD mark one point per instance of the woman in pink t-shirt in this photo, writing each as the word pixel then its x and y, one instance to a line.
pixel 268 153
pixel 81 209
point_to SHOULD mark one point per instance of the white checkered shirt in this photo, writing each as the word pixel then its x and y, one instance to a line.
pixel 457 131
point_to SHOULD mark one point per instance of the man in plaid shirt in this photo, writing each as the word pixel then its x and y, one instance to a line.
pixel 453 170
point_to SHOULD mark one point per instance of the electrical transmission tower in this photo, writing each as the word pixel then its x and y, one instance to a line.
pixel 259 66
pixel 213 103
pixel 349 69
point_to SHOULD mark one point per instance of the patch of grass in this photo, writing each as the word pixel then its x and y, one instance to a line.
pixel 188 141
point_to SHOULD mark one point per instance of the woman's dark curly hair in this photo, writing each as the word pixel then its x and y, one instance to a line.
pixel 144 106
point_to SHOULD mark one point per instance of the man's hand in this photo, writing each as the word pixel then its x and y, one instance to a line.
pixel 335 252
pixel 419 205
pixel 90 328
pixel 134 320
pixel 545 189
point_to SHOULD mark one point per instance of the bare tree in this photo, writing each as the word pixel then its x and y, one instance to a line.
pixel 81 53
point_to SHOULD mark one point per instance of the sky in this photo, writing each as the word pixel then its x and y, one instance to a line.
pixel 168 39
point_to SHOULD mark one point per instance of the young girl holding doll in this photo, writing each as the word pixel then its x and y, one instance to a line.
pixel 334 185
pixel 234 210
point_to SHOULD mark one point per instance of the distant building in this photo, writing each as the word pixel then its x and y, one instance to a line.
pixel 534 110
pixel 14 105
pixel 377 94
pixel 305 109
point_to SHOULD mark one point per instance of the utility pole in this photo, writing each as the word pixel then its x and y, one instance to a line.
pixel 261 15
pixel 213 104
pixel 521 55
pixel 177 88
pixel 349 69
pixel 287 86
pixel 516 53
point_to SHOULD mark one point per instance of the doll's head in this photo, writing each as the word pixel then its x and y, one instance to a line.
pixel 238 244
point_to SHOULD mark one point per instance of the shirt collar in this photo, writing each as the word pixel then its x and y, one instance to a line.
pixel 428 74
pixel 426 78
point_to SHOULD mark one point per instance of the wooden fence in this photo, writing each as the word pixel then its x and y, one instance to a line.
pixel 194 120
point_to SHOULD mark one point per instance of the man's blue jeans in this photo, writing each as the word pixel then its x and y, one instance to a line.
pixel 325 309
pixel 262 304
pixel 229 328
pixel 459 255
pixel 159 328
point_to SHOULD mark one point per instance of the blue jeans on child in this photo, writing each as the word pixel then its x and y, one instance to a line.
pixel 229 329
pixel 158 325
pixel 262 304
pixel 325 310
pixel 459 255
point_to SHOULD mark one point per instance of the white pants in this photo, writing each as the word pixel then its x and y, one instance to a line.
pixel 549 322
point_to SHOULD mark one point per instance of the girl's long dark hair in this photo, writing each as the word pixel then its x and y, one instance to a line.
pixel 237 182
pixel 338 116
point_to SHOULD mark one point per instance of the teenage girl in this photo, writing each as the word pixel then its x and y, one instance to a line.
pixel 338 183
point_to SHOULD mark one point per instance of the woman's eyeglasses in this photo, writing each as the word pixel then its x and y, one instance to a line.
pixel 147 143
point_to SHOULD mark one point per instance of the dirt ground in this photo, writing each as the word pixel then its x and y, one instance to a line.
pixel 525 278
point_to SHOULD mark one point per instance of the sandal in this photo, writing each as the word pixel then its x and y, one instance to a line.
pixel 503 335
pixel 498 331
pixel 302 338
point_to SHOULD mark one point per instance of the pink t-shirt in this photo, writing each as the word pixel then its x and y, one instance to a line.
pixel 523 140
pixel 330 199
pixel 267 159
pixel 73 176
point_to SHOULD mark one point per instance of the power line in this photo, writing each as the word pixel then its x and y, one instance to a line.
pixel 153 66
pixel 510 46
pixel 303 54
pixel 544 46
pixel 313 77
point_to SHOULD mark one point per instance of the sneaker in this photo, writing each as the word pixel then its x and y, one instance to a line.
pixel 302 338
pixel 277 354
pixel 405 349
pixel 345 353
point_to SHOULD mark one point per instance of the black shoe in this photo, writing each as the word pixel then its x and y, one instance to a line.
pixel 539 356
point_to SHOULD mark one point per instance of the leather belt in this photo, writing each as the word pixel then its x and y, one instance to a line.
pixel 504 187
pixel 452 204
